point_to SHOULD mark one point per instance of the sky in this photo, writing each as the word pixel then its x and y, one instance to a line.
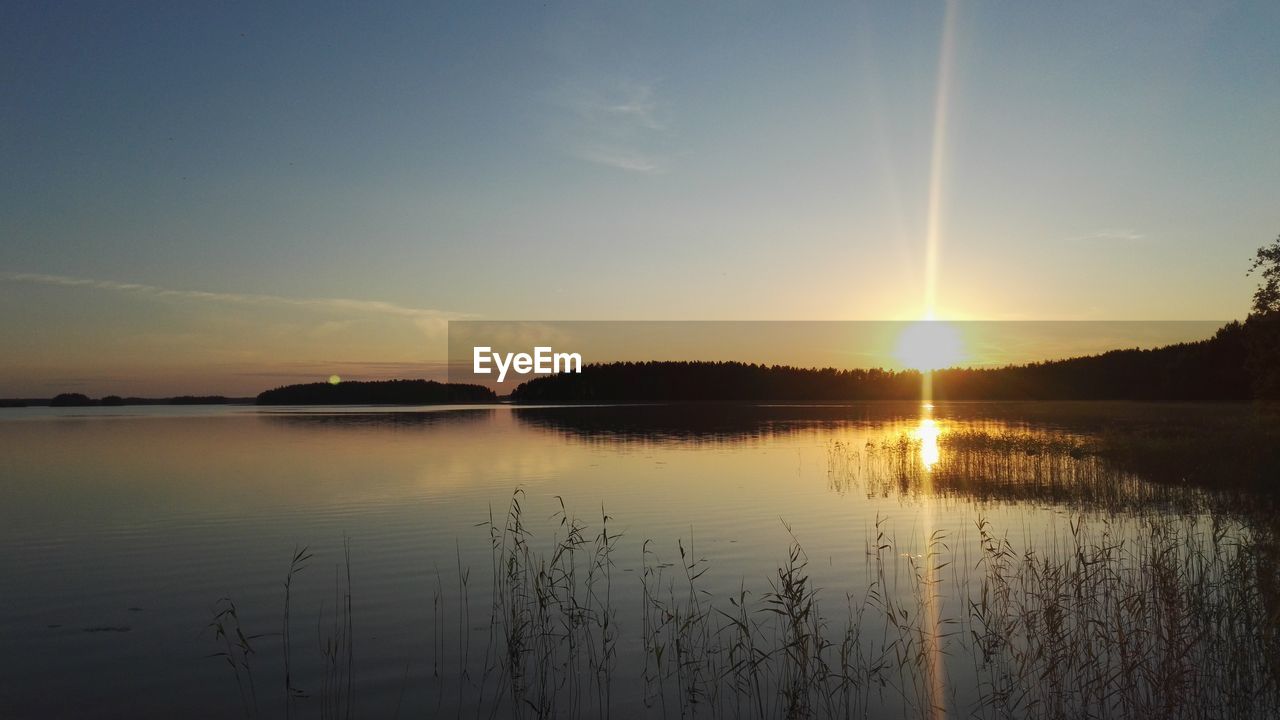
pixel 219 198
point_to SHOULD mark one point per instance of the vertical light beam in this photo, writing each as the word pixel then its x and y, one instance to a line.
pixel 933 240
pixel 937 161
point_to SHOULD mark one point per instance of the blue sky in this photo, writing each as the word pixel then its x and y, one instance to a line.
pixel 197 191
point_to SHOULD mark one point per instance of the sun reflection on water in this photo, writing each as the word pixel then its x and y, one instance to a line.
pixel 927 433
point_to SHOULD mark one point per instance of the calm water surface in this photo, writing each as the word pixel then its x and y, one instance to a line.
pixel 121 529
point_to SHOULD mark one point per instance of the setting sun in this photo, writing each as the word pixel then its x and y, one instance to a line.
pixel 929 345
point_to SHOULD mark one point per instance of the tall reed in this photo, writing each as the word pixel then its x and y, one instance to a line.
pixel 1147 615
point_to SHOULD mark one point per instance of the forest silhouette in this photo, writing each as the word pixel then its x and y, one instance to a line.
pixel 384 392
pixel 1215 369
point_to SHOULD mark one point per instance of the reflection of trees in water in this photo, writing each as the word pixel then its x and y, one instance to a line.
pixel 375 419
pixel 704 422
pixel 1099 453
pixel 729 421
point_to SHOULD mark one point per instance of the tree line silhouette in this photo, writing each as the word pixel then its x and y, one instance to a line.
pixel 1209 370
pixel 1262 327
pixel 381 392
pixel 82 400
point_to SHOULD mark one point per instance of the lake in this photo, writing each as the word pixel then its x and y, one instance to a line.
pixel 876 559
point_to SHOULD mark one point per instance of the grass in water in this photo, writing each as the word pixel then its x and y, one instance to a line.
pixel 1151 615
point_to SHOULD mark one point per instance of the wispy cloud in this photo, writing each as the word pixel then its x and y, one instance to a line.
pixel 620 125
pixel 620 158
pixel 630 105
pixel 429 320
pixel 1117 234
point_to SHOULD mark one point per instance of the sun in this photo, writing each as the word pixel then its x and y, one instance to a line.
pixel 929 345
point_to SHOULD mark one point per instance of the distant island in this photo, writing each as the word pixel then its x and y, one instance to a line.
pixel 1212 370
pixel 82 400
pixel 384 392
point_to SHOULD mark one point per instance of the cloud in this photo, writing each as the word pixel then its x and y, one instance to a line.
pixel 429 320
pixel 631 105
pixel 620 158
pixel 620 125
pixel 1119 234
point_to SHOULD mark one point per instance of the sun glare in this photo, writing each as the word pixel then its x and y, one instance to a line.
pixel 927 434
pixel 929 345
